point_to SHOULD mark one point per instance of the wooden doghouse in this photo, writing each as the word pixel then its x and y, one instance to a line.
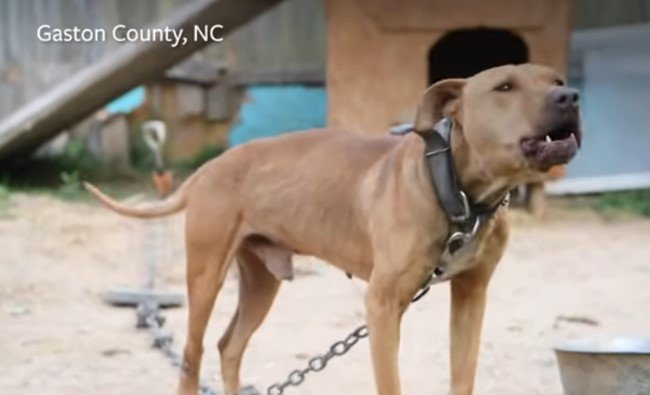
pixel 196 102
pixel 382 54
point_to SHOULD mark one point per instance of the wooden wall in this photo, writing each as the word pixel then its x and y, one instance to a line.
pixel 28 66
pixel 283 45
pixel 378 50
pixel 591 14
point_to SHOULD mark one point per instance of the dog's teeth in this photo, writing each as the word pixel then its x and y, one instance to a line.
pixel 548 138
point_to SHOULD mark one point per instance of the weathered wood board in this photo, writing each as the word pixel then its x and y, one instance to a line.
pixel 131 64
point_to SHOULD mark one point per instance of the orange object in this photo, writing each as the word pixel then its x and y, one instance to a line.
pixel 163 181
pixel 557 172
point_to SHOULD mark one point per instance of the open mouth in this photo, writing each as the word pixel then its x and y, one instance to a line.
pixel 556 147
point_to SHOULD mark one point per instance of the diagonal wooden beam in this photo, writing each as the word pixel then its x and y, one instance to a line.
pixel 129 66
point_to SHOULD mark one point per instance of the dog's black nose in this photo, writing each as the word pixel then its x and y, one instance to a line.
pixel 565 98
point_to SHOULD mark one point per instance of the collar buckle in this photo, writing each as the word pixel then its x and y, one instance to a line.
pixel 467 212
pixel 436 152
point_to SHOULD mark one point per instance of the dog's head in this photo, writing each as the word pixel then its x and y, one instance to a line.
pixel 516 121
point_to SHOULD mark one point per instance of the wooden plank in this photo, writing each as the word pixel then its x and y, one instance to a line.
pixel 308 77
pixel 131 65
pixel 605 13
pixel 196 72
pixel 289 39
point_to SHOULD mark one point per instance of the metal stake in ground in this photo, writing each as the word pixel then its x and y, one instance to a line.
pixel 154 135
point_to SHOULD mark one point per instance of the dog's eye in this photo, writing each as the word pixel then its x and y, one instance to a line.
pixel 504 87
pixel 558 82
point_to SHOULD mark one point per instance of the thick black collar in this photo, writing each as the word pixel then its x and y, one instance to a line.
pixel 444 178
pixel 465 217
pixel 458 208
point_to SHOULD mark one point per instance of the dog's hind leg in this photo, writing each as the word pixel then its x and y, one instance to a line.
pixel 211 242
pixel 257 290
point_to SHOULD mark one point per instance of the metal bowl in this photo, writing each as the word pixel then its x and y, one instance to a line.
pixel 615 366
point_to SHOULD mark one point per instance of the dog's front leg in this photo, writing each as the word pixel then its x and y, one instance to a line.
pixel 468 298
pixel 468 295
pixel 385 308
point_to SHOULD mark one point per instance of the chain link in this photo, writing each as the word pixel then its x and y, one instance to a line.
pixel 319 362
pixel 150 317
pixel 338 349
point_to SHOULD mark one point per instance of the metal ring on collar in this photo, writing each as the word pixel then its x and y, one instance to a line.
pixel 459 239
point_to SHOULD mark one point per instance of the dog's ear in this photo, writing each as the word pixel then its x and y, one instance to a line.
pixel 436 102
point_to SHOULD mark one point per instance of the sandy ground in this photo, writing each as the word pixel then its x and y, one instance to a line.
pixel 58 337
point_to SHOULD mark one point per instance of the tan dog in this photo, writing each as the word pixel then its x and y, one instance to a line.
pixel 366 205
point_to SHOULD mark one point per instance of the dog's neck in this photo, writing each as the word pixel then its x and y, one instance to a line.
pixel 481 183
pixel 477 181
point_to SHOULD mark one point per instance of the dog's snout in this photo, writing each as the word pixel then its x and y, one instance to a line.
pixel 564 98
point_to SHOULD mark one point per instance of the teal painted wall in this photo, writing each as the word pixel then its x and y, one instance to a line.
pixel 276 109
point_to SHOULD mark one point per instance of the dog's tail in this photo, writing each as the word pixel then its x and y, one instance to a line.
pixel 172 204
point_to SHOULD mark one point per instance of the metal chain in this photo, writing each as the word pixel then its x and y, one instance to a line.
pixel 338 349
pixel 319 362
pixel 150 317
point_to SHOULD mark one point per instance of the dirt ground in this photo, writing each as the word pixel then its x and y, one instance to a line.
pixel 572 274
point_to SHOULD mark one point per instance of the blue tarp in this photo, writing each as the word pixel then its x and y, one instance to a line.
pixel 276 109
pixel 128 102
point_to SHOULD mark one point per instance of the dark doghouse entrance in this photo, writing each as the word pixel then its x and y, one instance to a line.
pixel 463 53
